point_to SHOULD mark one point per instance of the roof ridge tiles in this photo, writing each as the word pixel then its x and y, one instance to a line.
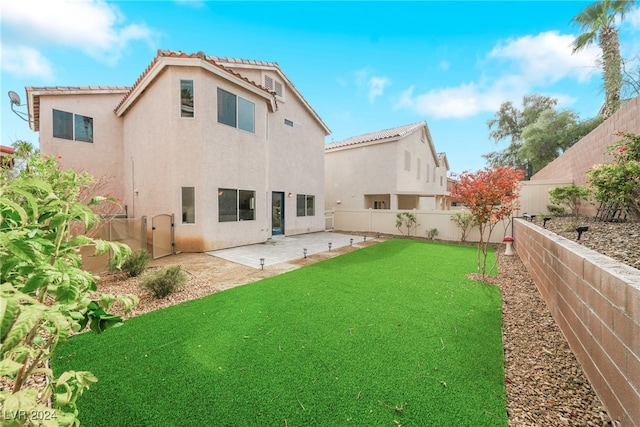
pixel 215 61
pixel 398 131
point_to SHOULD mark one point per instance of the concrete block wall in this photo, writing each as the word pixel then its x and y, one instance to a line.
pixel 595 301
pixel 592 149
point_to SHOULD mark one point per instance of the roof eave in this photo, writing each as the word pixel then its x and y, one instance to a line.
pixel 276 68
pixel 34 94
pixel 163 62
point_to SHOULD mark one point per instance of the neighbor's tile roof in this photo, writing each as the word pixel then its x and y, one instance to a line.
pixel 397 132
pixel 34 92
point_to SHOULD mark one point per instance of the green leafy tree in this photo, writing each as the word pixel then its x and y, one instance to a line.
pixel 508 124
pixel 537 133
pixel 551 135
pixel 44 294
pixel 597 23
pixel 618 182
pixel 570 196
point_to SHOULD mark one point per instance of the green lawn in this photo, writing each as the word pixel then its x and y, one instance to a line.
pixel 393 333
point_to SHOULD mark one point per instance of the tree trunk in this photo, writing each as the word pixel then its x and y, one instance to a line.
pixel 612 69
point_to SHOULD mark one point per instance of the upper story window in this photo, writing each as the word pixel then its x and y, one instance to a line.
pixel 407 160
pixel 72 126
pixel 236 111
pixel 186 98
pixel 274 86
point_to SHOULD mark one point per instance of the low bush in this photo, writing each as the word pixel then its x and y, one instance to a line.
pixel 134 264
pixel 165 281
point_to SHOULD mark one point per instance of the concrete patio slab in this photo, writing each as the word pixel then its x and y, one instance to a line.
pixel 281 249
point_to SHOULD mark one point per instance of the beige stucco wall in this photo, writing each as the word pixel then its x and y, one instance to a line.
pixel 152 152
pixel 353 173
pixel 103 157
pixel 167 152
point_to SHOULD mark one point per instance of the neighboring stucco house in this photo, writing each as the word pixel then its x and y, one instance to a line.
pixel 396 168
pixel 228 145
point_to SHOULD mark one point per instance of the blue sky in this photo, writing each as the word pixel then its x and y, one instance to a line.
pixel 364 66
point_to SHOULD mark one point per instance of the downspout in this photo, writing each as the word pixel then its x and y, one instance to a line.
pixel 133 189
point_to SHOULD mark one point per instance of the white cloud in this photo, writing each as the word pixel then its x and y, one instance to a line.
pixel 93 27
pixel 547 57
pixel 633 17
pixel 457 102
pixel 374 85
pixel 523 65
pixel 25 61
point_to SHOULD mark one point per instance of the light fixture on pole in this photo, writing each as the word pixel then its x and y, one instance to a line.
pixel 261 263
pixel 304 252
pixel 329 246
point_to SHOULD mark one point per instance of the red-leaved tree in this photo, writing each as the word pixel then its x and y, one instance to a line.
pixel 491 195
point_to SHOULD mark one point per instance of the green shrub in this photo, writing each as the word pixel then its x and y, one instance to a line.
pixel 134 264
pixel 165 281
pixel 466 221
pixel 570 196
pixel 406 219
pixel 431 233
pixel 556 210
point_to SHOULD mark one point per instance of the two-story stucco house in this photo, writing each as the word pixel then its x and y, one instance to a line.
pixel 396 168
pixel 227 145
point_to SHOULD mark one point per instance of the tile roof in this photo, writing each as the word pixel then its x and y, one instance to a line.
pixel 201 55
pixel 395 133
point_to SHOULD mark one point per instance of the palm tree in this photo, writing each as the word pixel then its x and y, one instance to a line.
pixel 597 20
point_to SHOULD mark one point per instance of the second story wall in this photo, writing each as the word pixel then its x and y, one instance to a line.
pixel 352 173
pixel 417 167
pixel 97 147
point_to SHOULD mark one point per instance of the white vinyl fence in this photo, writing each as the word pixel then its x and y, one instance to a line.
pixel 384 221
